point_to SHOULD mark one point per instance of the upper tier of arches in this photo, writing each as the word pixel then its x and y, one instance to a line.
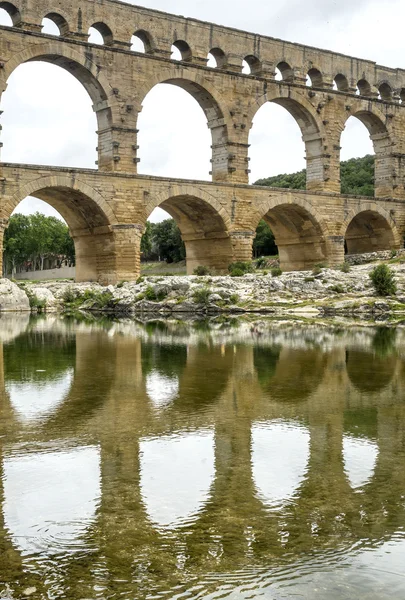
pixel 155 33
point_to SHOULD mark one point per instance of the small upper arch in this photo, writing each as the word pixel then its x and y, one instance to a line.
pixel 105 33
pixel 217 56
pixel 385 91
pixel 12 12
pixel 181 51
pixel 142 41
pixel 59 21
pixel 285 71
pixel 341 83
pixel 363 88
pixel 251 65
pixel 315 78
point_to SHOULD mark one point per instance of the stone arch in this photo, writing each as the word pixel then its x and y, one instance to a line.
pixel 381 135
pixel 13 12
pixel 204 225
pixel 299 230
pixel 287 72
pixel 105 32
pixel 364 88
pixel 342 83
pixel 316 77
pixel 60 21
pixel 89 217
pixel 184 49
pixel 309 122
pixel 254 64
pixel 219 56
pixel 370 229
pixel 214 107
pixel 385 91
pixel 87 73
pixel 146 39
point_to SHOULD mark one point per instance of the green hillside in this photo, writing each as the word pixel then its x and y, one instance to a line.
pixel 357 175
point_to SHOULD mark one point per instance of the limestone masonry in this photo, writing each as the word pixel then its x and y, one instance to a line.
pixel 107 208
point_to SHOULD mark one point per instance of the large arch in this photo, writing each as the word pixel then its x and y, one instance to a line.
pixel 310 124
pixel 89 217
pixel 204 226
pixel 370 229
pixel 87 73
pixel 375 122
pixel 299 232
pixel 214 108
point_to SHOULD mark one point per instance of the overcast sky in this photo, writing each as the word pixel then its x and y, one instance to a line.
pixel 48 117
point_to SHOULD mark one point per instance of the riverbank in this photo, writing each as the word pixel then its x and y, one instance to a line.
pixel 322 292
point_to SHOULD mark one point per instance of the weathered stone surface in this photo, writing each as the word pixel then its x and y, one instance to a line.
pixel 107 208
pixel 45 295
pixel 12 298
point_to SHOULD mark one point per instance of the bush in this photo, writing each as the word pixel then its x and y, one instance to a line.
pixel 234 299
pixel 36 303
pixel 245 267
pixel 153 296
pixel 201 271
pixel 237 273
pixel 68 296
pixel 261 262
pixel 345 268
pixel 201 295
pixel 139 280
pixel 383 280
pixel 276 272
pixel 121 284
pixel 338 289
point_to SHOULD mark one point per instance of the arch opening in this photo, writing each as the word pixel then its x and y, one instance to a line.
pixel 340 83
pixel 369 231
pixel 314 78
pixel 298 236
pixel 216 58
pixel 181 51
pixel 89 226
pixel 9 14
pixel 100 34
pixel 141 42
pixel 203 231
pixel 385 92
pixel 284 72
pixel 251 65
pixel 363 88
pixel 182 146
pixel 55 24
pixel 49 115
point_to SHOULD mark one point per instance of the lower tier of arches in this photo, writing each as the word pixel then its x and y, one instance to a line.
pixel 107 217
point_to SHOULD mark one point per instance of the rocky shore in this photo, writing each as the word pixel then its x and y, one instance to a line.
pixel 322 292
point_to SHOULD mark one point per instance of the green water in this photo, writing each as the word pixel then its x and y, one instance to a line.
pixel 201 460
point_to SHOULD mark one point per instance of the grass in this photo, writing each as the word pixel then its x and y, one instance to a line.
pixel 163 268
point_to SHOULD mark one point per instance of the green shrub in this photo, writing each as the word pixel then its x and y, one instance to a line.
pixel 309 279
pixel 68 295
pixel 153 296
pixel 276 272
pixel 201 295
pixel 234 299
pixel 338 288
pixel 201 271
pixel 140 280
pixel 345 267
pixel 261 262
pixel 121 284
pixel 245 267
pixel 36 303
pixel 237 273
pixel 383 280
pixel 316 270
pixel 393 253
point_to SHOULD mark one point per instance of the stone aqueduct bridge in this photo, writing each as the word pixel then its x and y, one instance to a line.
pixel 107 208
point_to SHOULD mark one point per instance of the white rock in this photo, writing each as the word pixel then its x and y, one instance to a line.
pixel 12 298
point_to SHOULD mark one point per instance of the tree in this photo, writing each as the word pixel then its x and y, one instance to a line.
pixel 264 244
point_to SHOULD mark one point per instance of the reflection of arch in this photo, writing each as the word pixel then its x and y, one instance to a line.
pixel 203 224
pixel 59 21
pixel 369 372
pixel 371 230
pixel 360 459
pixel 298 230
pixel 279 378
pixel 308 121
pixel 12 11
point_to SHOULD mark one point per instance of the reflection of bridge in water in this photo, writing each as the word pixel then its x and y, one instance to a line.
pixel 208 461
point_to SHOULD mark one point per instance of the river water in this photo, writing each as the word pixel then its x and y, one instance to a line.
pixel 201 460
